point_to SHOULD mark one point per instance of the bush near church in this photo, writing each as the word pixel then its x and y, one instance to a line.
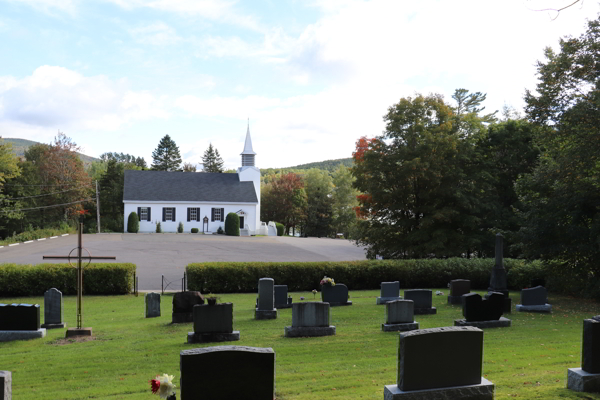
pixel 236 277
pixel 232 224
pixel 133 223
pixel 180 228
pixel 280 228
pixel 34 280
pixel 194 230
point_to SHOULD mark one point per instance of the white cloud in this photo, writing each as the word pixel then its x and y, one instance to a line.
pixel 56 97
pixel 214 10
pixel 49 6
pixel 157 34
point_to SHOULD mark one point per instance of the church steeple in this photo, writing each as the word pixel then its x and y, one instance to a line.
pixel 248 154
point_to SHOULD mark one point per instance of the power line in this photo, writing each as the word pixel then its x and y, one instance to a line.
pixel 55 205
pixel 40 195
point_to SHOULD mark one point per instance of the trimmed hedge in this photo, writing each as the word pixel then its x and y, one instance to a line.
pixel 33 280
pixel 232 224
pixel 280 228
pixel 235 277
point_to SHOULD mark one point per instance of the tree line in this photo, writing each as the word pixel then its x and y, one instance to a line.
pixel 444 177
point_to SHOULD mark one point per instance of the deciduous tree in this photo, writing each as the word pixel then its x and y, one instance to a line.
pixel 284 200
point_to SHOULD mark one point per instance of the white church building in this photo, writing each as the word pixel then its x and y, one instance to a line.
pixel 197 199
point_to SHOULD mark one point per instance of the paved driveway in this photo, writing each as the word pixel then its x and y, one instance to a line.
pixel 168 254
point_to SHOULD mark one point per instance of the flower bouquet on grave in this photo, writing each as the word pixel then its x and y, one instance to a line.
pixel 327 281
pixel 164 386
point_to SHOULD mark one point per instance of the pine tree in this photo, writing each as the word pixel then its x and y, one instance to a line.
pixel 211 160
pixel 166 156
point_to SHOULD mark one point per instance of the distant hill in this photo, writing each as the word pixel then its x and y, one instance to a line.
pixel 328 165
pixel 19 146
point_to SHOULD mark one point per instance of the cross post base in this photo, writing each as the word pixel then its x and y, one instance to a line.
pixel 74 332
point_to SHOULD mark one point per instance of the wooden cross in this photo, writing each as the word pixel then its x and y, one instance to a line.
pixel 79 257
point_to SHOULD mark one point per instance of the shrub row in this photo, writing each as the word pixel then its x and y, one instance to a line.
pixel 234 277
pixel 34 280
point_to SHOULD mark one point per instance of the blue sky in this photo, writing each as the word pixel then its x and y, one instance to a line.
pixel 313 76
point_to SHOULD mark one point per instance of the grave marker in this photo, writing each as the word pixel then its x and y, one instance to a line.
pixel 20 322
pixel 213 323
pixel 424 374
pixel 310 319
pixel 399 316
pixel 534 300
pixel 422 299
pixel 336 295
pixel 483 313
pixel 227 372
pixel 458 287
pixel 53 307
pixel 498 278
pixel 265 308
pixel 79 330
pixel 281 297
pixel 152 301
pixel 6 385
pixel 587 378
pixel 183 306
pixel 390 291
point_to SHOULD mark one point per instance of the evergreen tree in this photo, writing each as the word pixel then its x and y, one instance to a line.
pixel 211 160
pixel 166 156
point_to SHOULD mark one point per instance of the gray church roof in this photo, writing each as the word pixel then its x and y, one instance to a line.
pixel 187 186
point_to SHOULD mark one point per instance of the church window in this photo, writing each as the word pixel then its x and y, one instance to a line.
pixel 218 214
pixel 143 213
pixel 168 213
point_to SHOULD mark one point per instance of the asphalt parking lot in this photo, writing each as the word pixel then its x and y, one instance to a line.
pixel 168 254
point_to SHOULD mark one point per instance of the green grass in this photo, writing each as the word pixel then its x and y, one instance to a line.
pixel 527 361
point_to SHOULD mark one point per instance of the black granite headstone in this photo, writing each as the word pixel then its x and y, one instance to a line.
pixel 537 296
pixel 337 294
pixel 19 317
pixel 424 357
pixel 281 296
pixel 227 372
pixel 421 297
pixel 183 305
pixel 477 309
pixel 590 350
pixel 458 287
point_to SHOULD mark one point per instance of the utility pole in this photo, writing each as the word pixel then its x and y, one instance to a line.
pixel 98 206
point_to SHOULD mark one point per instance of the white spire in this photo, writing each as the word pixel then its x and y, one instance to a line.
pixel 248 144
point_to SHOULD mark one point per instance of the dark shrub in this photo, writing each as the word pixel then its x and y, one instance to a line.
pixel 180 228
pixel 194 230
pixel 232 224
pixel 133 223
pixel 280 228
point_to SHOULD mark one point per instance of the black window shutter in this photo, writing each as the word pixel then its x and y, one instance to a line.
pixel 189 209
pixel 174 218
pixel 139 212
pixel 149 216
pixel 222 214
pixel 212 215
pixel 164 215
pixel 198 214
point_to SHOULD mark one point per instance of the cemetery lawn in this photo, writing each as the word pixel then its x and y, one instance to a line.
pixel 527 361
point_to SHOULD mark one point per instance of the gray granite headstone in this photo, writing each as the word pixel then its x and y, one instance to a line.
pixel 19 317
pixel 498 278
pixel 266 297
pixel 400 312
pixel 152 300
pixel 311 313
pixel 310 319
pixel 6 385
pixel 537 296
pixel 53 309
pixel 390 289
pixel 227 372
pixel 336 295
pixel 421 354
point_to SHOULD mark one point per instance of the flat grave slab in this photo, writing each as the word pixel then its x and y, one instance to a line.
pixel 500 323
pixel 482 391
pixel 546 308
